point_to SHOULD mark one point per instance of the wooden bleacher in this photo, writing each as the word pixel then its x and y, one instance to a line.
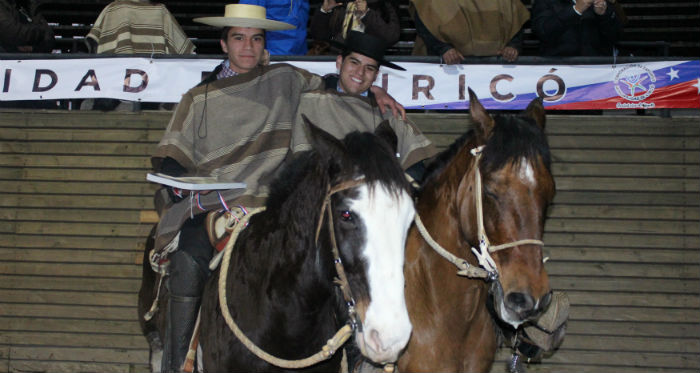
pixel 623 236
pixel 655 28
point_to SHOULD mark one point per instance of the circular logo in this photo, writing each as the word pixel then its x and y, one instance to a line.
pixel 635 82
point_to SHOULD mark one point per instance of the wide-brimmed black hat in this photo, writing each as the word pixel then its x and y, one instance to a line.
pixel 366 45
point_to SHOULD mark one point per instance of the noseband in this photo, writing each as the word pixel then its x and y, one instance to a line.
pixel 488 270
pixel 341 336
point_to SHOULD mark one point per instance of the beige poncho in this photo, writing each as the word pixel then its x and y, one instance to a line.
pixel 237 129
pixel 473 27
pixel 134 27
pixel 340 114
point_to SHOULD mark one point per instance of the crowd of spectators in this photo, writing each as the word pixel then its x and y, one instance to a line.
pixel 451 29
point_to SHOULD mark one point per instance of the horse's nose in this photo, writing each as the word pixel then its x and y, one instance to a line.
pixel 384 338
pixel 524 304
pixel 521 303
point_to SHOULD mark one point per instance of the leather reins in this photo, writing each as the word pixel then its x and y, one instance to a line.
pixel 341 336
pixel 488 270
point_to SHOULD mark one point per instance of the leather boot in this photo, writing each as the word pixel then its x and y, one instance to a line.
pixel 186 282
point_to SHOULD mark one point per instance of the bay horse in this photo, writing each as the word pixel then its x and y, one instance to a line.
pixel 498 172
pixel 348 196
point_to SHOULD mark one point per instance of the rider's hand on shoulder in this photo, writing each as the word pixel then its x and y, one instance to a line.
pixel 384 100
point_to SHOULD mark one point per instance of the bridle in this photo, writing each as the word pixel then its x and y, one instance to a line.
pixel 487 270
pixel 341 280
pixel 342 335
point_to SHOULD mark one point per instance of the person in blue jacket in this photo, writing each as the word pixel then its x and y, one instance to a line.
pixel 295 12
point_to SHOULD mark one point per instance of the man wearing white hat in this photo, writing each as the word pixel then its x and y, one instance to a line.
pixel 235 125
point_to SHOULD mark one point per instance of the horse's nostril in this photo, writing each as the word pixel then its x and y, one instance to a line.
pixel 545 301
pixel 520 302
pixel 375 342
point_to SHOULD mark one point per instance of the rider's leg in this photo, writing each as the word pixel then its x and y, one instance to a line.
pixel 188 273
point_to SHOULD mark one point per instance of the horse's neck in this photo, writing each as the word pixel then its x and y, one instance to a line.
pixel 440 206
pixel 440 202
pixel 281 252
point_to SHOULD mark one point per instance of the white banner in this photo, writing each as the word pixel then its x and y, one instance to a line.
pixel 423 85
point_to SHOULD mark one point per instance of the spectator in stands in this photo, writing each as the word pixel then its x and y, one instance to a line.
pixel 291 42
pixel 138 26
pixel 236 125
pixel 134 27
pixel 576 28
pixel 22 29
pixel 455 29
pixel 334 20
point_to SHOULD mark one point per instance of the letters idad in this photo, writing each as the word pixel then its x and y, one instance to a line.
pixel 88 80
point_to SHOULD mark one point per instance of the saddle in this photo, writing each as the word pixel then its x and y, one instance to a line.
pixel 219 226
pixel 222 226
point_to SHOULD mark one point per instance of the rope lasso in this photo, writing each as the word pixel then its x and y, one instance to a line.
pixel 327 350
pixel 335 342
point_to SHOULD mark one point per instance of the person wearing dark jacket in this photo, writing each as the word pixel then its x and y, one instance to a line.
pixel 22 30
pixel 378 18
pixel 576 28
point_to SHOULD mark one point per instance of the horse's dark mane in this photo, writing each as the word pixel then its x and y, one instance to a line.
pixel 297 191
pixel 378 166
pixel 280 235
pixel 290 177
pixel 440 161
pixel 512 138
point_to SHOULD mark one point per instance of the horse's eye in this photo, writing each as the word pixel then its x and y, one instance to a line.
pixel 346 215
pixel 490 194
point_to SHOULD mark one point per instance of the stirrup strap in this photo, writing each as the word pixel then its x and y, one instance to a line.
pixel 188 364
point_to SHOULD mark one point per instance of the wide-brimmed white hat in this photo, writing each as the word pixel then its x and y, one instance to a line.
pixel 245 15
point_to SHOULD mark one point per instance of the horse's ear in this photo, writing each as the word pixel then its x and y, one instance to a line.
pixel 320 140
pixel 482 119
pixel 385 132
pixel 535 110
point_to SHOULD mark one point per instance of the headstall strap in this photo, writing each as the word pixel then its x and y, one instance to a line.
pixel 342 280
pixel 485 247
pixel 327 201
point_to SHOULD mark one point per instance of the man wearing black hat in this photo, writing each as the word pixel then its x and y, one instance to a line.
pixel 346 104
pixel 358 64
